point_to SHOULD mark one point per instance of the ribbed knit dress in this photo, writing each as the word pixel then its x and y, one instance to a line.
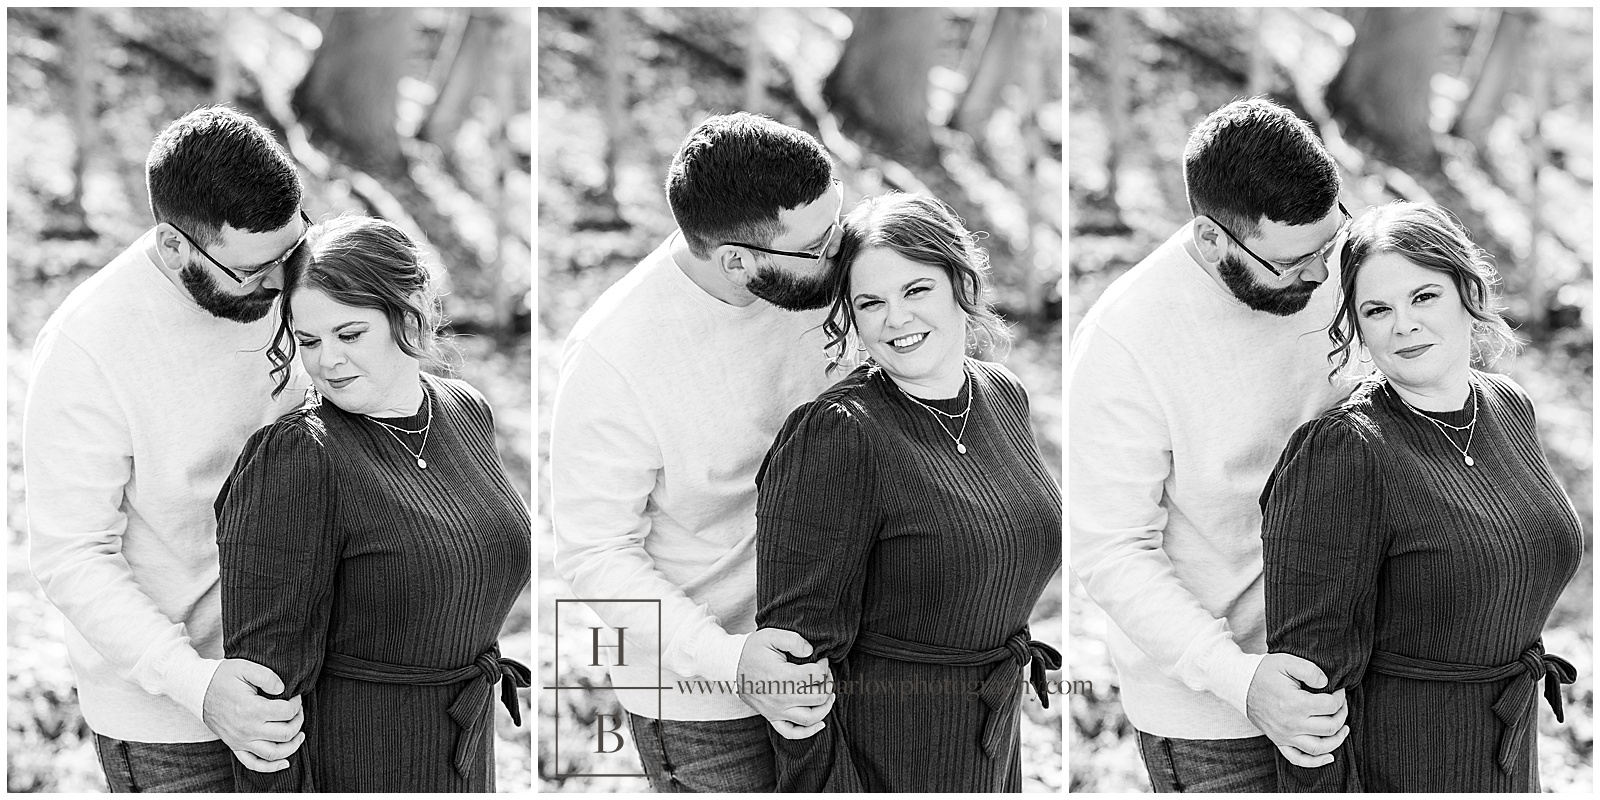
pixel 1379 537
pixel 870 522
pixel 332 540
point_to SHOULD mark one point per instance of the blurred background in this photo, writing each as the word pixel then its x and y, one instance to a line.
pixel 421 116
pixel 1485 111
pixel 962 103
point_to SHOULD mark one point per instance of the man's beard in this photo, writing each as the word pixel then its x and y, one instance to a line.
pixel 789 292
pixel 238 308
pixel 1283 302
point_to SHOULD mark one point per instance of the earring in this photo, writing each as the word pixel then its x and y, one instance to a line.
pixel 1366 357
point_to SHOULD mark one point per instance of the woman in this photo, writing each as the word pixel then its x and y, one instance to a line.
pixel 371 544
pixel 1415 540
pixel 906 524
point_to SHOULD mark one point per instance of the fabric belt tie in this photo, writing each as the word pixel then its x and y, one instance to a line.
pixel 1001 689
pixel 470 708
pixel 1515 704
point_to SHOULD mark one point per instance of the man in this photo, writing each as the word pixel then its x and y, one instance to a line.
pixel 145 384
pixel 1186 379
pixel 672 388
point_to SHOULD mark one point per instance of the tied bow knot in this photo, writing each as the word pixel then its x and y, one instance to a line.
pixel 471 706
pixel 1002 690
pixel 1514 706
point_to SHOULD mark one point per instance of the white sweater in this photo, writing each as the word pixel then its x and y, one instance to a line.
pixel 667 403
pixel 1180 399
pixel 138 404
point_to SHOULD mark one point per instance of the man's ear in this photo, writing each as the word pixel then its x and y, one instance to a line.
pixel 1208 239
pixel 170 245
pixel 734 264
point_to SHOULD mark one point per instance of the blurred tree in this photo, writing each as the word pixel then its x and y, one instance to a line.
pixel 70 221
pixel 880 85
pixel 225 84
pixel 755 70
pixel 1495 71
pixel 351 91
pixel 1384 89
pixel 472 63
pixel 996 55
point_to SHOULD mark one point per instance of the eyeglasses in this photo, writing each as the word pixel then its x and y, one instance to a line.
pixel 817 256
pixel 259 272
pixel 1299 263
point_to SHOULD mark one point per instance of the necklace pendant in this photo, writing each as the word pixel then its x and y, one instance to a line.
pixel 1470 462
pixel 421 464
pixel 961 448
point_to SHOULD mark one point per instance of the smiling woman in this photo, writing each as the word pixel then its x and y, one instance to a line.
pixel 1414 538
pixel 917 480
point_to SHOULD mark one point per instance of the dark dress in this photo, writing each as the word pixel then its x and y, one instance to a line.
pixel 340 555
pixel 1387 558
pixel 891 552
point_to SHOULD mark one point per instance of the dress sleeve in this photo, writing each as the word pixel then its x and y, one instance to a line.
pixel 816 524
pixel 279 550
pixel 1323 543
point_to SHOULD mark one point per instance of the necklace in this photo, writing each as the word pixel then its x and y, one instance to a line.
pixel 1469 427
pixel 954 437
pixel 390 429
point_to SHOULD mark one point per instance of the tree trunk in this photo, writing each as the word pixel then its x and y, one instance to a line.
pixel 1000 52
pixel 1383 90
pixel 880 84
pixel 350 93
pixel 475 64
pixel 1505 62
pixel 755 70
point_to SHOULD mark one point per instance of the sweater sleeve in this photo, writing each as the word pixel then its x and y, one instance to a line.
pixel 279 550
pixel 816 525
pixel 1118 460
pixel 78 454
pixel 1323 545
pixel 604 462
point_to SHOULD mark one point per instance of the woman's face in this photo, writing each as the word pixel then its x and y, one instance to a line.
pixel 1414 324
pixel 906 315
pixel 351 356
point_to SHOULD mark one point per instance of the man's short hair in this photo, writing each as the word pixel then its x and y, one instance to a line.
pixel 1254 158
pixel 215 167
pixel 735 172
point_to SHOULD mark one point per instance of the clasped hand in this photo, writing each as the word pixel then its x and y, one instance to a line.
pixel 763 665
pixel 1306 726
pixel 262 732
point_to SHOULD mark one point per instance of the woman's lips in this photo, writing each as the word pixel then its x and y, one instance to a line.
pixel 340 383
pixel 1413 352
pixel 915 339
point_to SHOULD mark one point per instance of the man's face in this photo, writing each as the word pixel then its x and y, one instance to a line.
pixel 1287 248
pixel 256 257
pixel 1283 300
pixel 793 282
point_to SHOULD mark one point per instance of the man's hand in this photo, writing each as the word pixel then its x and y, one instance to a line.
pixel 262 732
pixel 793 715
pixel 1306 726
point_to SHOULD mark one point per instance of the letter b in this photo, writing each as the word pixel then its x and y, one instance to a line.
pixel 601 733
